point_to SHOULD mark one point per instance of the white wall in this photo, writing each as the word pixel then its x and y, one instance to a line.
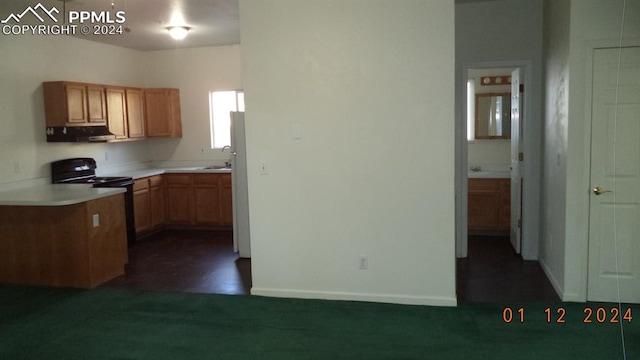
pixel 195 72
pixel 500 34
pixel 556 85
pixel 593 24
pixel 492 154
pixel 25 63
pixel 373 172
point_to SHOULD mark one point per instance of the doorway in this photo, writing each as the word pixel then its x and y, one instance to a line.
pixel 528 160
pixel 499 273
pixel 489 134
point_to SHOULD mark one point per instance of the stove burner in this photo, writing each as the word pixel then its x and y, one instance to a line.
pixel 108 180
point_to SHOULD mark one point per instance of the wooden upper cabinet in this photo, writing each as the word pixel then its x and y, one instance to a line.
pixel 74 104
pixel 135 113
pixel 163 113
pixel 117 112
pixel 96 105
pixel 130 113
pixel 125 113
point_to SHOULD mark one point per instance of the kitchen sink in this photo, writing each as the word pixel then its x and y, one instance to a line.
pixel 217 167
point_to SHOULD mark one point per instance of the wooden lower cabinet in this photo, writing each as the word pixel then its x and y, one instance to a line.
pixel 226 200
pixel 158 203
pixel 142 208
pixel 489 206
pixel 179 198
pixel 206 199
pixel 199 199
pixel 149 203
pixel 62 245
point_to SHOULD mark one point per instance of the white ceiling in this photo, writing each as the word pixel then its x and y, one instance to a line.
pixel 212 22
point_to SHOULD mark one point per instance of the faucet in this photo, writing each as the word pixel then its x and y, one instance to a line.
pixel 228 162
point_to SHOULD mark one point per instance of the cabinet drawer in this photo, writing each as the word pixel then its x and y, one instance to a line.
pixel 178 179
pixel 155 181
pixel 141 184
pixel 484 185
pixel 205 178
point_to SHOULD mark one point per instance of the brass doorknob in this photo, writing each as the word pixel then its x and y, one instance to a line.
pixel 599 191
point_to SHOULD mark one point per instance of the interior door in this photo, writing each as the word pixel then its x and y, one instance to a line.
pixel 614 225
pixel 516 176
pixel 241 234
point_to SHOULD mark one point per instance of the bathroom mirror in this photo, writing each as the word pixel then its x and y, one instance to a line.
pixel 493 116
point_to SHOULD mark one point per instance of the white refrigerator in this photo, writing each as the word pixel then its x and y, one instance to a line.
pixel 240 193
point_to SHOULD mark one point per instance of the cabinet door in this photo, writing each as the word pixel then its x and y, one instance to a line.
pixel 76 104
pixel 484 205
pixel 117 112
pixel 158 214
pixel 96 105
pixel 157 112
pixel 206 199
pixel 505 204
pixel 142 211
pixel 226 203
pixel 135 113
pixel 176 113
pixel 178 198
pixel 484 211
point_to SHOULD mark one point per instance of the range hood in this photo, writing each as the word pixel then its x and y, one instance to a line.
pixel 79 134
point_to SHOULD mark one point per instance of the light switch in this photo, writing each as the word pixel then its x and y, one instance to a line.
pixel 264 168
pixel 96 220
pixel 296 132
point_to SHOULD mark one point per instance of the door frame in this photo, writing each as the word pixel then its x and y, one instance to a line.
pixel 530 164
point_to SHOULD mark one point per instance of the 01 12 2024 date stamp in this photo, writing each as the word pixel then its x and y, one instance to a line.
pixel 558 315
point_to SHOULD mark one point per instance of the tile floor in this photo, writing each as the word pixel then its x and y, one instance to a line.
pixel 203 261
pixel 200 261
pixel 494 273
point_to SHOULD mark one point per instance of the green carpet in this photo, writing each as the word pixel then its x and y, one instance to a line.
pixel 106 323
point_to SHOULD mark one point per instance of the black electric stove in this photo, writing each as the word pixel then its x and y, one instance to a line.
pixel 83 171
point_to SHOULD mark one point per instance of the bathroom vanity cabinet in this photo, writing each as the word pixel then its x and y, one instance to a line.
pixel 489 206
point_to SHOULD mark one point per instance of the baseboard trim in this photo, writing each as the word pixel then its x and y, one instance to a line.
pixel 347 296
pixel 552 279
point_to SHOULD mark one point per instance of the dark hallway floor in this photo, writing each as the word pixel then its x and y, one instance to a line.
pixel 203 261
pixel 200 261
pixel 493 272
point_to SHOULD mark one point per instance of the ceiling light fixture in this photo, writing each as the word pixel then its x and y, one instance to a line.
pixel 178 32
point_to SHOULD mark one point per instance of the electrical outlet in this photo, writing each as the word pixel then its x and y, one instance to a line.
pixel 96 220
pixel 363 262
pixel 264 168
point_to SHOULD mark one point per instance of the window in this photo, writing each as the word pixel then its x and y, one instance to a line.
pixel 221 104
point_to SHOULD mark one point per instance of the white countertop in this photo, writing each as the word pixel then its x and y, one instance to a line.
pixel 68 194
pixel 55 195
pixel 142 173
pixel 489 175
